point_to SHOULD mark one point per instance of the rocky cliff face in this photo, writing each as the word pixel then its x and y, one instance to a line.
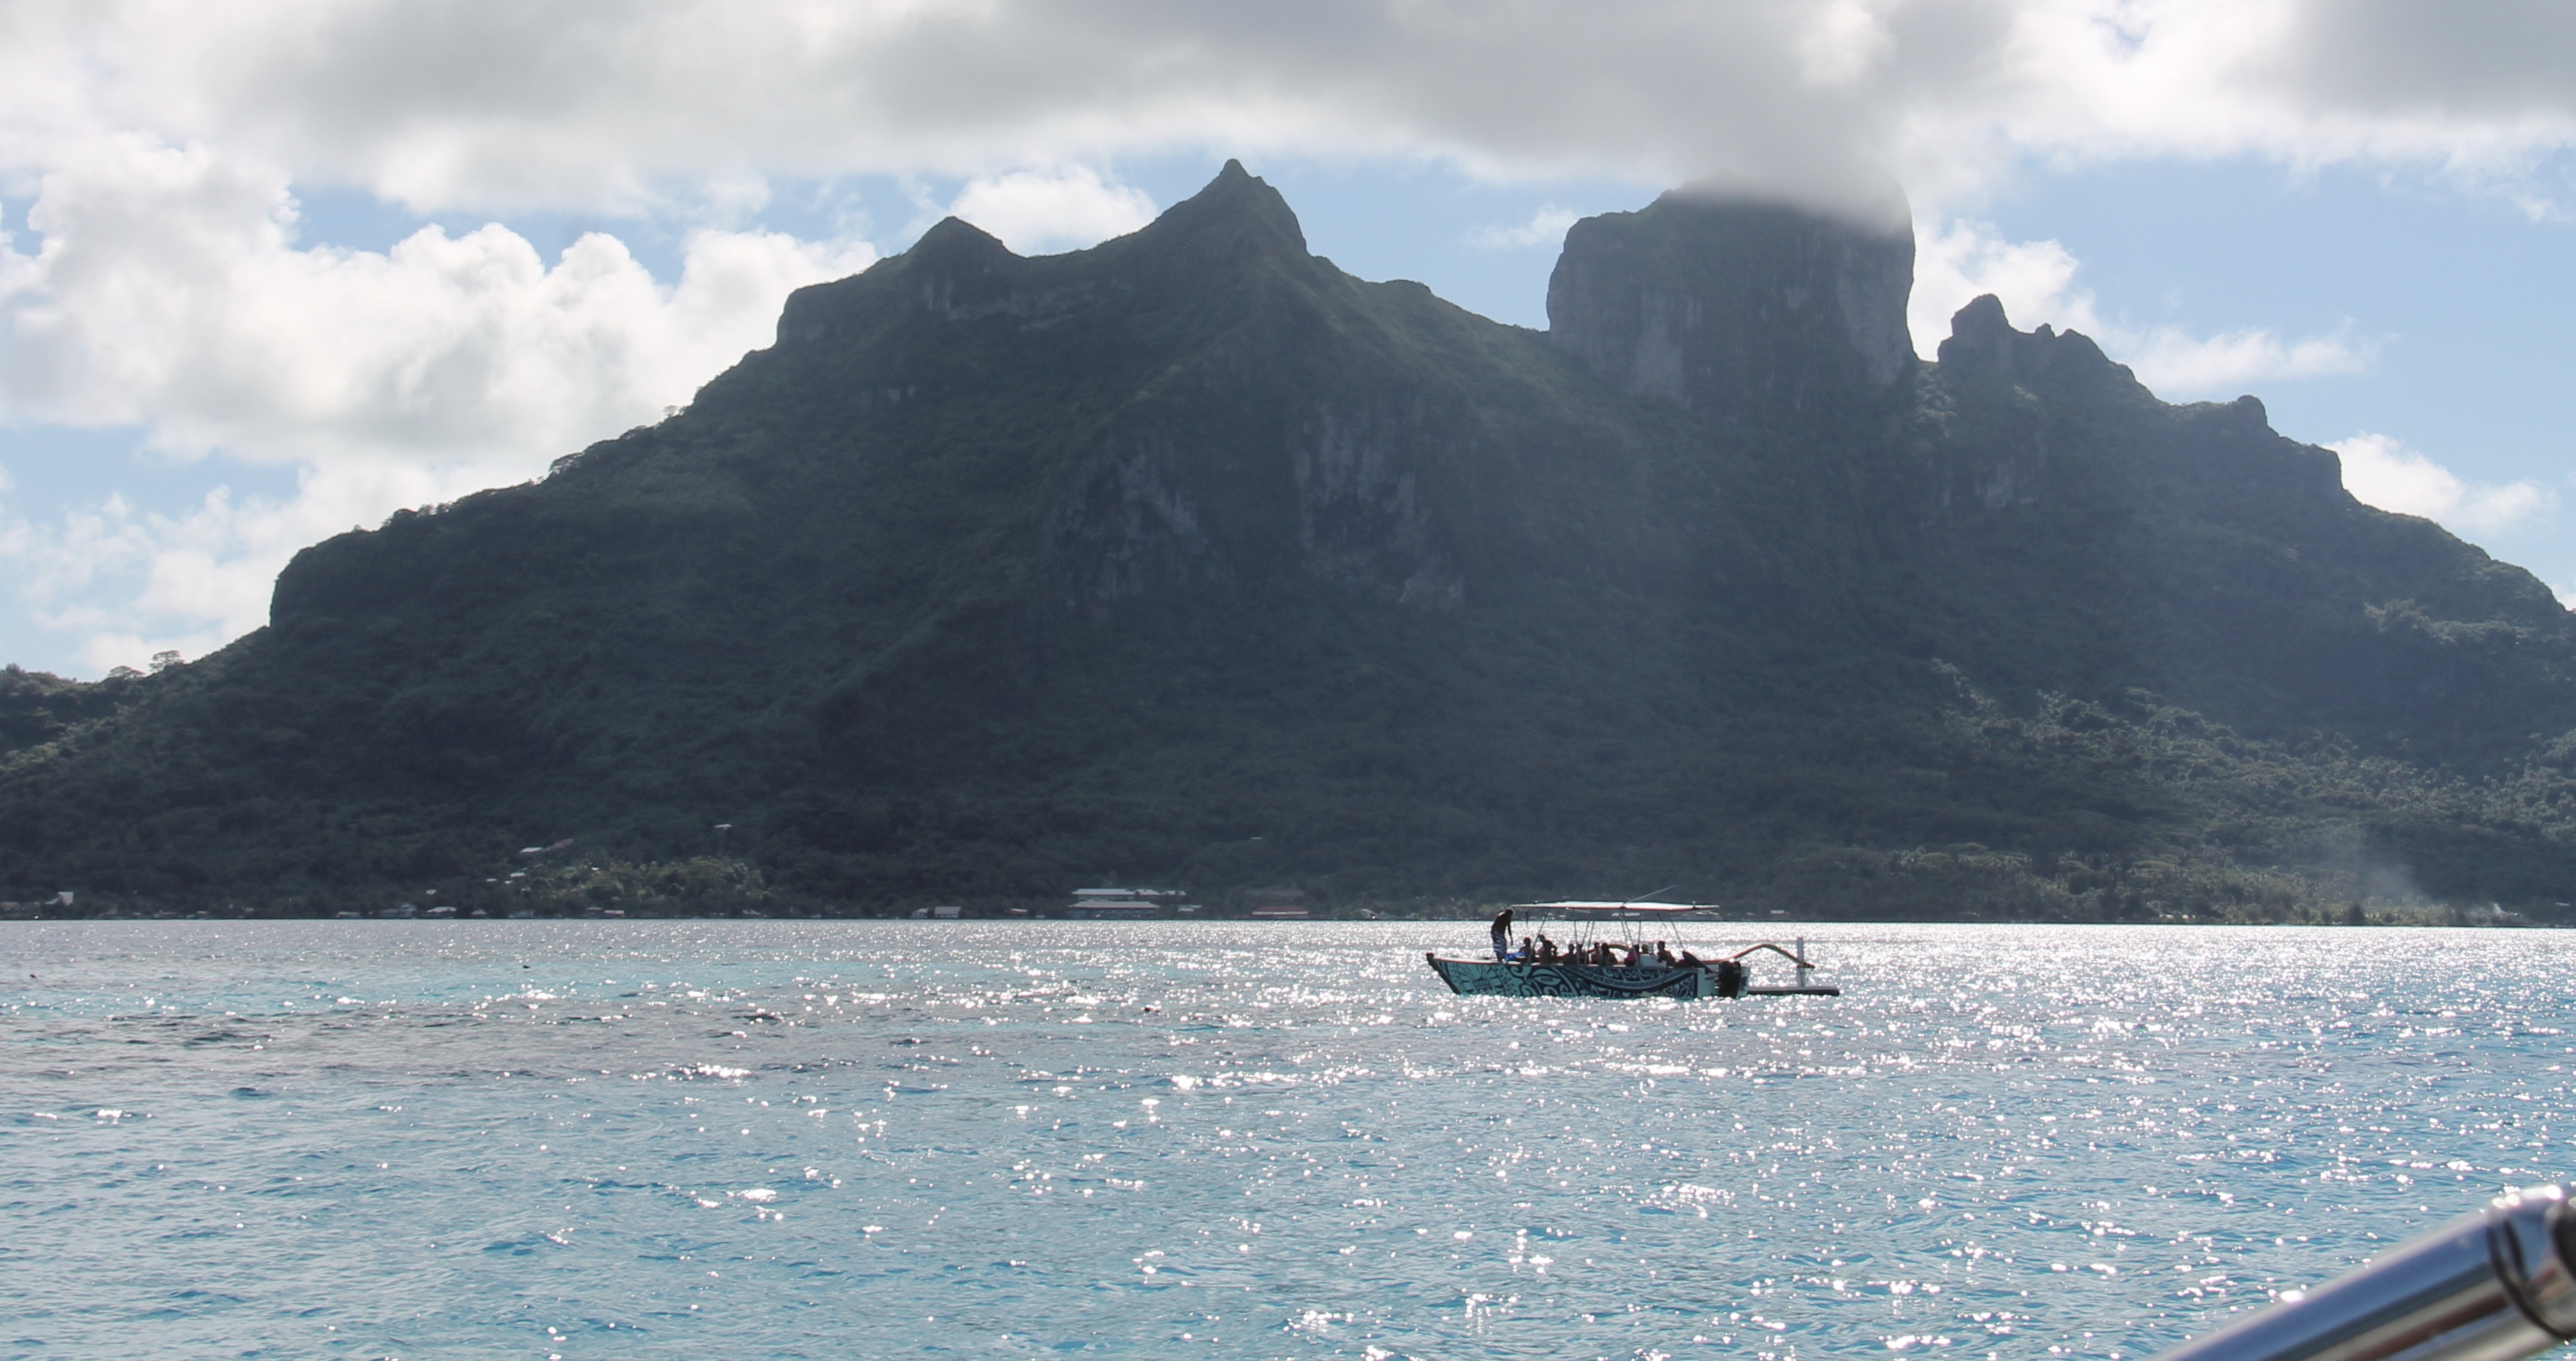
pixel 1745 311
pixel 1153 505
pixel 1189 555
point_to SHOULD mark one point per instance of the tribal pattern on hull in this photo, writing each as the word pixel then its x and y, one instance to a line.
pixel 1491 978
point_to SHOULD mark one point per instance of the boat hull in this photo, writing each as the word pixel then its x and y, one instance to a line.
pixel 1497 978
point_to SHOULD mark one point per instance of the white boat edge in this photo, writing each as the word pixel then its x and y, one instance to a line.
pixel 1515 978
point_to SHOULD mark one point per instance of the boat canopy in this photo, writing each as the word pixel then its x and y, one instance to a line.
pixel 1613 909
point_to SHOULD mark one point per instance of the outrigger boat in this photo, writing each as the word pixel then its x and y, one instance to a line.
pixel 1519 976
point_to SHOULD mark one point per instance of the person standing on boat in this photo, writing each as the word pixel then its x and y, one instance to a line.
pixel 1502 935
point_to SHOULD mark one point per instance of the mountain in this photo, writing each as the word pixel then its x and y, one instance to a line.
pixel 1192 558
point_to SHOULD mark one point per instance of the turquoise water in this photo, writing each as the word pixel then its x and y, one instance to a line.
pixel 809 1139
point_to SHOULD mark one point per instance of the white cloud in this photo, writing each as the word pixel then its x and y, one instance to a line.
pixel 561 103
pixel 1546 227
pixel 165 290
pixel 1034 212
pixel 2181 365
pixel 1955 263
pixel 1843 44
pixel 161 283
pixel 124 584
pixel 2036 281
pixel 2383 472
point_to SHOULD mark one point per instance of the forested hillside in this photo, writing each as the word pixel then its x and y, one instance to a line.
pixel 1191 559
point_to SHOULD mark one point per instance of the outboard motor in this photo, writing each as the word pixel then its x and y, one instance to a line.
pixel 1730 978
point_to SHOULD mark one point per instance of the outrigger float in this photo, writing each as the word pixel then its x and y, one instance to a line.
pixel 1517 975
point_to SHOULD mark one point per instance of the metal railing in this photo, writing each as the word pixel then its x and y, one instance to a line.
pixel 2494 1286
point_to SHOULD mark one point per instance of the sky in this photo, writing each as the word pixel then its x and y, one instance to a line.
pixel 271 270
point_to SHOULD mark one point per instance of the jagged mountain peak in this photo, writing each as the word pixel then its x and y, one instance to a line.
pixel 1237 212
pixel 1235 229
pixel 1981 337
pixel 956 245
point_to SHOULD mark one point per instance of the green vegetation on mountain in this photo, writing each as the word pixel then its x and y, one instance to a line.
pixel 1191 559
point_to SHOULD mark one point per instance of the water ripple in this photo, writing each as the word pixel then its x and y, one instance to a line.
pixel 785 1139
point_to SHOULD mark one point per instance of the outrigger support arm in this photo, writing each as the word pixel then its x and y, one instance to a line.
pixel 1766 945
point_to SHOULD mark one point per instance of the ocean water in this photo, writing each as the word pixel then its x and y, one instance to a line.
pixel 897 1139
